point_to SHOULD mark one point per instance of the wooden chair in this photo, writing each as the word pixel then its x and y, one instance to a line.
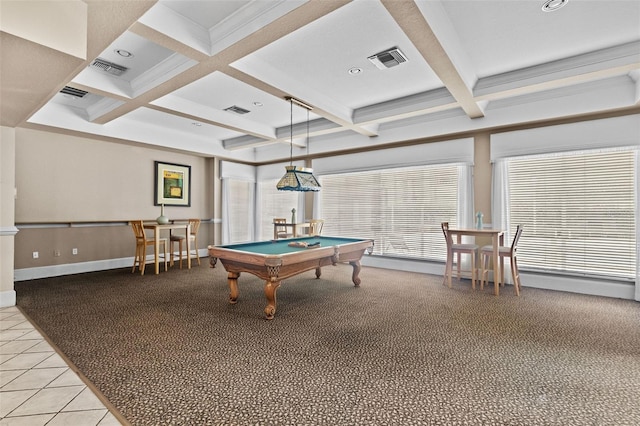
pixel 193 237
pixel 486 253
pixel 315 226
pixel 141 246
pixel 456 250
pixel 280 231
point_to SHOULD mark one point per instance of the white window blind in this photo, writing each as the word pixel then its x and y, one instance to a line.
pixel 401 208
pixel 240 215
pixel 578 212
pixel 273 204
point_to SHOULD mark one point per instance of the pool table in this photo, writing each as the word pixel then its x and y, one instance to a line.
pixel 276 260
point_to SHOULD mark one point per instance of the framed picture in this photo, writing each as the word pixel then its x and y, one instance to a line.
pixel 172 184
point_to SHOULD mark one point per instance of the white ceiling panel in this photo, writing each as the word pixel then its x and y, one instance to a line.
pixel 471 64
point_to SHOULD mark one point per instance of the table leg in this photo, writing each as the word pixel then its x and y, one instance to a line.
pixel 270 288
pixel 233 287
pixel 449 267
pixel 188 238
pixel 356 271
pixel 156 249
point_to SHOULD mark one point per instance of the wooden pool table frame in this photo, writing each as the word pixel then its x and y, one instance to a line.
pixel 274 268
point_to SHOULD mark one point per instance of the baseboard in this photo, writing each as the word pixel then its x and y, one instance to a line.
pixel 80 268
pixel 590 286
pixel 7 298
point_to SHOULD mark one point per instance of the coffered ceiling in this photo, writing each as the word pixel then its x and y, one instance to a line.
pixel 167 73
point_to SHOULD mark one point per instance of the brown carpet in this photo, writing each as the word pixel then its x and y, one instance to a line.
pixel 400 350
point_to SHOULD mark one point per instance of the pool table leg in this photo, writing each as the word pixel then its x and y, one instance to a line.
pixel 356 271
pixel 318 272
pixel 270 288
pixel 233 287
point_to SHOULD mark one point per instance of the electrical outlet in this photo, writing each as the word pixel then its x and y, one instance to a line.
pixel 56 253
pixel 74 251
pixel 35 254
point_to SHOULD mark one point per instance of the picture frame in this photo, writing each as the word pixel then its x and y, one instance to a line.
pixel 172 184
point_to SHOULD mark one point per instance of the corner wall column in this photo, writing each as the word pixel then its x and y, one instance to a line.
pixel 8 229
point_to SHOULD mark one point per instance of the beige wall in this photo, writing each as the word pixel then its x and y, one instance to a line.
pixel 76 192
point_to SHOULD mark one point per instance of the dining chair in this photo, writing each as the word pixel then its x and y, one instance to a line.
pixel 456 250
pixel 315 226
pixel 486 253
pixel 142 242
pixel 194 225
pixel 281 231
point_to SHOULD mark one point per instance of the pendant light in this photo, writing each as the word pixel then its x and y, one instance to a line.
pixel 298 178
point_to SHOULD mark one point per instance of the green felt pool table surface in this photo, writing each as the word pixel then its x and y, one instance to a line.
pixel 275 247
pixel 276 260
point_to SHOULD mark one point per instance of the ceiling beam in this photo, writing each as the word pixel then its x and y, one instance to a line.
pixel 266 35
pixel 412 22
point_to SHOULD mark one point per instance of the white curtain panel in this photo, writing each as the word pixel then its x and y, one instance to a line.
pixel 500 207
pixel 466 212
pixel 226 231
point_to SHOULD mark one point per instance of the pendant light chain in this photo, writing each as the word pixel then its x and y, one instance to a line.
pixel 307 135
pixel 298 178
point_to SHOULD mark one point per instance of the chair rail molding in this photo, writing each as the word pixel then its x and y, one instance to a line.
pixel 8 231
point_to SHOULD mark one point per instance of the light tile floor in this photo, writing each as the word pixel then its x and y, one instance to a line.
pixel 37 386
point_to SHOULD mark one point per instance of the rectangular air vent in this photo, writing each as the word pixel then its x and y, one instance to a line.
pixel 73 92
pixel 108 67
pixel 237 110
pixel 388 58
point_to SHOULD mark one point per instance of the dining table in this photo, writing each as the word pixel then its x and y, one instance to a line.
pixel 497 239
pixel 157 229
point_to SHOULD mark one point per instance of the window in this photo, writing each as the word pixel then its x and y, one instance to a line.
pixel 401 209
pixel 240 209
pixel 274 203
pixel 578 212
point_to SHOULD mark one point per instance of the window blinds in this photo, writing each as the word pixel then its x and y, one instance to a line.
pixel 274 204
pixel 578 212
pixel 401 208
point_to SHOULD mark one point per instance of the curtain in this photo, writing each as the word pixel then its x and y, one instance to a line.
pixel 500 207
pixel 226 225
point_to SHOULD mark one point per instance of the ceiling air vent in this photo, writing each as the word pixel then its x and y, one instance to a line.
pixel 108 67
pixel 388 58
pixel 73 92
pixel 237 110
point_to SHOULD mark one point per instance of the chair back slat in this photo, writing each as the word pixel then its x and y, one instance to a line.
pixel 195 225
pixel 138 230
pixel 516 238
pixel 315 226
pixel 445 231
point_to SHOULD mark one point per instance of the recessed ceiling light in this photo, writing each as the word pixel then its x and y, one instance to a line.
pixel 553 5
pixel 258 104
pixel 195 123
pixel 355 71
pixel 124 53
